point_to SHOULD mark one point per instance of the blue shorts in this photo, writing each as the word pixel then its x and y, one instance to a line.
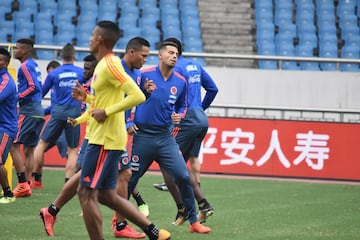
pixel 5 145
pixel 124 161
pixel 189 139
pixel 61 145
pixel 99 167
pixel 29 129
pixel 53 129
pixel 82 152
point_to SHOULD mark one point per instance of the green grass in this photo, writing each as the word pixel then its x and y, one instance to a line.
pixel 246 209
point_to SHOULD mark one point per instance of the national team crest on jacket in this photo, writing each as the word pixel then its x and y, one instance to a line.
pixel 125 160
pixel 135 158
pixel 138 80
pixel 173 90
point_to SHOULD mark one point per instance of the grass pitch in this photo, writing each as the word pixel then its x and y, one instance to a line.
pixel 245 209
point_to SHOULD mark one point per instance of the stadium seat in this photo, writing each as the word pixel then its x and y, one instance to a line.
pixel 88 8
pixel 45 54
pixel 143 4
pixel 106 5
pixel 283 16
pixel 111 16
pixel 328 53
pixel 267 50
pixel 8 30
pixel 309 39
pixel 306 51
pixel 66 6
pixel 28 6
pixel 351 52
pixel 287 51
pixel 47 6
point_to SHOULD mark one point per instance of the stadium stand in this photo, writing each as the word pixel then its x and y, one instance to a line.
pixel 302 28
pixel 325 28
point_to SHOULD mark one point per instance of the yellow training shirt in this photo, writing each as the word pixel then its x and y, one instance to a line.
pixel 109 85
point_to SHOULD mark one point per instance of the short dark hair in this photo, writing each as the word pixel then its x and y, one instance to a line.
pixel 26 41
pixel 6 53
pixel 89 58
pixel 68 52
pixel 52 64
pixel 111 32
pixel 177 42
pixel 164 44
pixel 137 43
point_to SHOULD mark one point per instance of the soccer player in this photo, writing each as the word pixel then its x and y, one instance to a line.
pixel 48 215
pixel 107 140
pixel 31 115
pixel 191 131
pixel 62 79
pixel 61 141
pixel 153 120
pixel 8 122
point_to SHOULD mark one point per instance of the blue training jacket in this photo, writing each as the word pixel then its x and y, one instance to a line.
pixel 169 96
pixel 8 104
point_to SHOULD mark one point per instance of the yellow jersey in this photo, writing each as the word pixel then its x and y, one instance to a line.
pixel 109 85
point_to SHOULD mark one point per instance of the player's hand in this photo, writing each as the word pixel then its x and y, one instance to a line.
pixel 78 92
pixel 99 115
pixel 149 86
pixel 72 121
pixel 132 129
pixel 176 118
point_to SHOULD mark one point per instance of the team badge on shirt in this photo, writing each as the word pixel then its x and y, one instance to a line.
pixel 173 90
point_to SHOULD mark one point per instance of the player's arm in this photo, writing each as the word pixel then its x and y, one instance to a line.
pixel 79 93
pixel 210 87
pixel 82 118
pixel 134 96
pixel 30 82
pixel 5 91
pixel 47 85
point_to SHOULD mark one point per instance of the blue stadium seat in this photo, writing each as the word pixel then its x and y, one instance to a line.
pixel 62 39
pixel 263 3
pixel 328 53
pixel 306 51
pixel 110 16
pixel 88 8
pixel 106 5
pixel 309 39
pixel 350 32
pixel 28 6
pixel 352 52
pixel 283 16
pixel 263 14
pixel 44 38
pixel 126 3
pixel 8 30
pixel 152 60
pixel 144 4
pixel 66 6
pixel 47 6
pixel 265 31
pixel 287 51
pixel 267 50
pixel 45 54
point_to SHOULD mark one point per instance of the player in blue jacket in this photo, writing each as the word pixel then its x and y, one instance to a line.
pixel 62 79
pixel 153 119
pixel 31 115
pixel 8 122
pixel 192 130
